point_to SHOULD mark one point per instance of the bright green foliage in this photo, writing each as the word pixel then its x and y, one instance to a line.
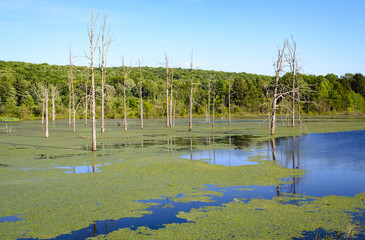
pixel 324 94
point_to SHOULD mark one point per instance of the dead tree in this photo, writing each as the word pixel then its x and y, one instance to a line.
pixel 171 95
pixel 229 101
pixel 209 92
pixel 167 90
pixel 278 67
pixel 72 93
pixel 125 77
pixel 140 93
pixel 91 33
pixel 46 108
pixel 214 97
pixel 191 94
pixel 105 43
pixel 291 58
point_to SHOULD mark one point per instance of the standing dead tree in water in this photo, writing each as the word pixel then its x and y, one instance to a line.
pixel 46 108
pixel 167 62
pixel 191 94
pixel 105 43
pixel 140 93
pixel 292 60
pixel 171 96
pixel 278 67
pixel 93 46
pixel 125 77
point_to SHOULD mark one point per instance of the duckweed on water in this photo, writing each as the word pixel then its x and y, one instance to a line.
pixel 53 203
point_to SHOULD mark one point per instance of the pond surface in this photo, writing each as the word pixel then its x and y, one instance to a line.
pixel 335 164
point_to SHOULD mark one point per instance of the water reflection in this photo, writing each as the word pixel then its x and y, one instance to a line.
pixel 335 162
pixel 82 169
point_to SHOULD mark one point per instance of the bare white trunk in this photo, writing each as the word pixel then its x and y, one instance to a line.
pixel 229 102
pixel 46 108
pixel 92 49
pixel 140 94
pixel 278 69
pixel 73 107
pixel 191 94
pixel 171 96
pixel 167 91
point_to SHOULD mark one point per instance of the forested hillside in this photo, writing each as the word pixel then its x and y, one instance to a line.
pixel 22 91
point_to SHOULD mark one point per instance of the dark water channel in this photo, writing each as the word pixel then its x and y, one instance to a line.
pixel 335 164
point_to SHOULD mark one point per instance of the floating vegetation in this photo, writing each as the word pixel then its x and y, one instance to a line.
pixel 246 201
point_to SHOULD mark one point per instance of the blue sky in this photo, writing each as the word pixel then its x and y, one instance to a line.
pixel 225 35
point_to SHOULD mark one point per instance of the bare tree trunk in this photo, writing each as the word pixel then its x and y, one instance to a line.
pixel 171 95
pixel 72 92
pixel 167 90
pixel 86 98
pixel 140 93
pixel 293 70
pixel 46 108
pixel 125 74
pixel 209 101
pixel 92 49
pixel 69 93
pixel 191 94
pixel 53 106
pixel 73 106
pixel 105 43
pixel 278 65
pixel 213 104
pixel 229 102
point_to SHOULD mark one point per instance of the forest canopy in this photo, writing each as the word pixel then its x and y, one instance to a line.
pixel 22 91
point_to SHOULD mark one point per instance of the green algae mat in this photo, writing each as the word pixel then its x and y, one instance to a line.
pixel 54 187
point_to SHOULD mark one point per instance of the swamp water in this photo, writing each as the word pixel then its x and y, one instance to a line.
pixel 334 163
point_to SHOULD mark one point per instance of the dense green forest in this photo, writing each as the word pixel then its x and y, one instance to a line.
pixel 22 91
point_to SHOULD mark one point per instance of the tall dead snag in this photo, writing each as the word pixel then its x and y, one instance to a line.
pixel 105 43
pixel 140 93
pixel 171 95
pixel 229 101
pixel 278 67
pixel 125 77
pixel 167 90
pixel 71 94
pixel 93 46
pixel 191 94
pixel 209 92
pixel 214 97
pixel 46 108
pixel 291 58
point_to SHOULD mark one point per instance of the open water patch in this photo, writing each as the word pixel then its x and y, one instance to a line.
pixel 225 157
pixel 165 210
pixel 13 218
pixel 83 169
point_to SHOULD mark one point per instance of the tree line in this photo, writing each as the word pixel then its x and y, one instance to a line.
pixel 22 91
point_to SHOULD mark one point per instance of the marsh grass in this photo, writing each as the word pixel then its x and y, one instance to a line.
pixel 143 164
